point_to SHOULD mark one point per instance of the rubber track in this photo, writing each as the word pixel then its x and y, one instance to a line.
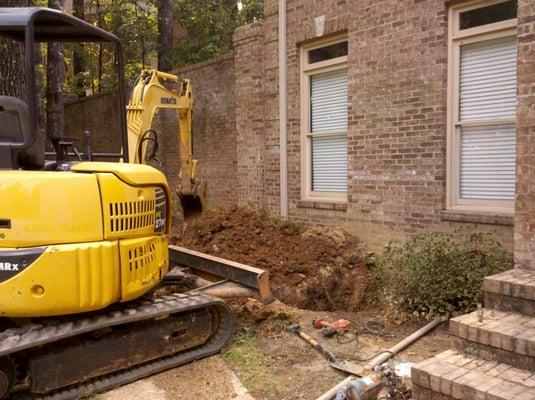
pixel 31 336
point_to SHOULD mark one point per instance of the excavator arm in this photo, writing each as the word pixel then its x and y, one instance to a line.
pixel 149 96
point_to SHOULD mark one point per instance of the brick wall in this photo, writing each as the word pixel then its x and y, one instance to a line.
pixel 98 115
pixel 397 74
pixel 250 129
pixel 214 132
pixel 525 167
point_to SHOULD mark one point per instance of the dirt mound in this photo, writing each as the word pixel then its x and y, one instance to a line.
pixel 320 268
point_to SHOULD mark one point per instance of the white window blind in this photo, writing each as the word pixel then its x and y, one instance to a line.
pixel 487 169
pixel 328 114
pixel 488 79
pixel 329 163
pixel 328 101
pixel 487 92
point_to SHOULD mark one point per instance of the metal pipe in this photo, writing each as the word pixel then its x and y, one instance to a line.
pixel 230 290
pixel 382 357
pixel 222 289
pixel 283 117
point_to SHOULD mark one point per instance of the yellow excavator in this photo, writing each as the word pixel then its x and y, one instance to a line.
pixel 84 245
pixel 149 95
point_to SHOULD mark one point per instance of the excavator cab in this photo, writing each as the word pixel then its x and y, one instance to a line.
pixel 110 217
pixel 22 145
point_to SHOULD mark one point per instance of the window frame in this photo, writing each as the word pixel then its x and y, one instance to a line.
pixel 307 70
pixel 457 38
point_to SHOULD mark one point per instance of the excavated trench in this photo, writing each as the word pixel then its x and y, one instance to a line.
pixel 317 269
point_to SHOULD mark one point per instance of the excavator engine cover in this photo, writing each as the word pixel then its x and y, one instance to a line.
pixel 77 241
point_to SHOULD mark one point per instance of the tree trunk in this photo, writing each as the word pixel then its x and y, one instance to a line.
pixel 55 74
pixel 78 52
pixel 165 35
pixel 100 50
pixel 12 72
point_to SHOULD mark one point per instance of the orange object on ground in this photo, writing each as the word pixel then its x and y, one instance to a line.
pixel 340 325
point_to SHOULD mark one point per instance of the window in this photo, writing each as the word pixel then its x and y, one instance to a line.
pixel 324 121
pixel 482 106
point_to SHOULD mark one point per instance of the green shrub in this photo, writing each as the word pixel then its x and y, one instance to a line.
pixel 440 273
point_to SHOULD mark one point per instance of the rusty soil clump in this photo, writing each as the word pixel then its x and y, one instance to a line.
pixel 317 269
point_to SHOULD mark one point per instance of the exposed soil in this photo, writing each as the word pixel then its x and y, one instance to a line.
pixel 316 269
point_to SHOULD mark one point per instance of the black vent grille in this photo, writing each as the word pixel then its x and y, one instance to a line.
pixel 131 215
pixel 141 256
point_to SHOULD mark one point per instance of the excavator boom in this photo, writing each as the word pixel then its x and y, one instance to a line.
pixel 149 96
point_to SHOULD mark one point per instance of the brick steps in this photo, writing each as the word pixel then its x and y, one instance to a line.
pixel 501 336
pixel 512 290
pixel 495 356
pixel 454 375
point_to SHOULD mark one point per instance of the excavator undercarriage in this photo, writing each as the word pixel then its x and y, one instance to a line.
pixel 73 356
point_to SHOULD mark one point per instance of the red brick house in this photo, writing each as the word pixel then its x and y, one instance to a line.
pixel 399 116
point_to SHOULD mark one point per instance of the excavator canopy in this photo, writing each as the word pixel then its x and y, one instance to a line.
pixel 38 24
pixel 49 25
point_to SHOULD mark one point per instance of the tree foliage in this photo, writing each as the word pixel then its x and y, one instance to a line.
pixel 134 25
pixel 203 29
pixel 209 26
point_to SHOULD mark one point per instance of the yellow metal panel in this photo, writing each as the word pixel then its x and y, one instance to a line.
pixel 128 211
pixel 144 262
pixel 49 207
pixel 65 279
pixel 133 174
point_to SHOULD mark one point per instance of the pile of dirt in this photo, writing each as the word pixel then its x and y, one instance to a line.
pixel 318 269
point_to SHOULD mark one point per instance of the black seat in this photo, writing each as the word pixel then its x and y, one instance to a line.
pixel 14 133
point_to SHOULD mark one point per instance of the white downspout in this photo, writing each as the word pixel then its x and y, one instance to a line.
pixel 283 118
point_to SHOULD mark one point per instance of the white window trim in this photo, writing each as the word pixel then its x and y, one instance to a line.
pixel 457 38
pixel 307 70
